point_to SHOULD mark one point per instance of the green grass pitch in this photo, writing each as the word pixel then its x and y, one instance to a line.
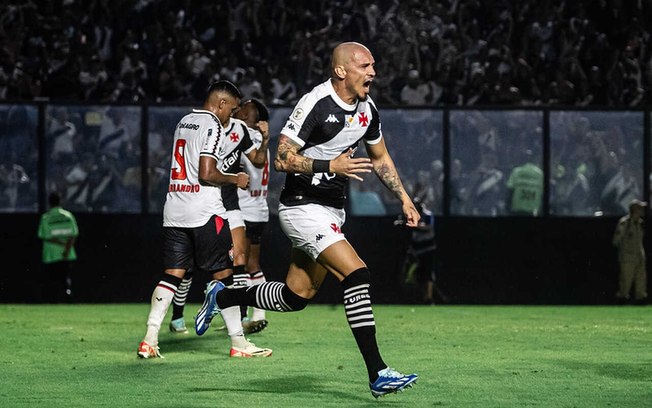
pixel 466 356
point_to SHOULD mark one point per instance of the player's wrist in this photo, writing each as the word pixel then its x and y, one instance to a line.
pixel 321 166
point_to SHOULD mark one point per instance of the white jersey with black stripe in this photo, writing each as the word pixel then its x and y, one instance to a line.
pixel 325 126
pixel 236 142
pixel 253 201
pixel 189 204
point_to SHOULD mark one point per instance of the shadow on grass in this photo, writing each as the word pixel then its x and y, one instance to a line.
pixel 290 384
pixel 280 385
pixel 625 371
pixel 181 342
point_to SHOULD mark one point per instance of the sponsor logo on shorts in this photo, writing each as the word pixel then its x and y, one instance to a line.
pixel 335 228
pixel 319 237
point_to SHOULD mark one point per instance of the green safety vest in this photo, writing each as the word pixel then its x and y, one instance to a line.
pixel 526 182
pixel 57 223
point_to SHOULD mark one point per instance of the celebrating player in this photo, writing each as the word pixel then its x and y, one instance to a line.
pixel 316 149
pixel 238 140
pixel 253 201
pixel 195 229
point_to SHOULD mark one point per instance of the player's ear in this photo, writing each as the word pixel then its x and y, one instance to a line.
pixel 340 71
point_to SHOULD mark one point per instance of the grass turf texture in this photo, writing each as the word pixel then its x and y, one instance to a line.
pixel 85 355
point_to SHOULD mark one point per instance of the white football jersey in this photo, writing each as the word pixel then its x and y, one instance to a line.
pixel 189 204
pixel 236 142
pixel 253 201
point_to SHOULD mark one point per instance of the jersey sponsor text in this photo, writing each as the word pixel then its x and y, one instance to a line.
pixel 192 126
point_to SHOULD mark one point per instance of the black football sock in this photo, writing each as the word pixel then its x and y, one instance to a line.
pixel 240 277
pixel 357 305
pixel 180 296
pixel 274 296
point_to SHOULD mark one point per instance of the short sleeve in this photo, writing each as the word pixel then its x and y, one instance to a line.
pixel 302 120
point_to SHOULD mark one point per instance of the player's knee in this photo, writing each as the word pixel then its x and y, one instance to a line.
pixel 293 301
pixel 358 277
pixel 171 279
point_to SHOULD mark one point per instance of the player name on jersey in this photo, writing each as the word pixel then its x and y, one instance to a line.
pixel 258 193
pixel 184 188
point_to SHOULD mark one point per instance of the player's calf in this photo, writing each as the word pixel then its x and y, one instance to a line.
pixel 275 296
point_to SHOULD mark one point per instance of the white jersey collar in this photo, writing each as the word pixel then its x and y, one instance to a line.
pixel 206 111
pixel 337 99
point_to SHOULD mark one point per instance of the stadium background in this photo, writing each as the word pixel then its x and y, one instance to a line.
pixel 569 82
pixel 486 255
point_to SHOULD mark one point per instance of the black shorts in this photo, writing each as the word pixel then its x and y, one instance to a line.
pixel 254 231
pixel 206 247
pixel 230 197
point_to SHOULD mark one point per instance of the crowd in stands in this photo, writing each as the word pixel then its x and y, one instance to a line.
pixel 428 53
pixel 445 52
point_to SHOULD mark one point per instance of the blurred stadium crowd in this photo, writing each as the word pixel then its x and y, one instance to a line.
pixel 446 52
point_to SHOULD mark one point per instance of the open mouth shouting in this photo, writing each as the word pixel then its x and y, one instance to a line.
pixel 366 86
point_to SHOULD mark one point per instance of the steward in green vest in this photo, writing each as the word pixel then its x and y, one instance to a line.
pixel 58 230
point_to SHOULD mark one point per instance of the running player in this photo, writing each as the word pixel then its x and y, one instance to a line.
pixel 253 202
pixel 195 229
pixel 316 149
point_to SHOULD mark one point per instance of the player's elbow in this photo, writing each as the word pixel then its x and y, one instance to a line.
pixel 204 181
pixel 209 178
pixel 203 177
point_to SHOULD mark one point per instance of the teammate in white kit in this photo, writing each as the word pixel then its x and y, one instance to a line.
pixel 237 146
pixel 195 230
pixel 253 202
pixel 237 143
pixel 316 149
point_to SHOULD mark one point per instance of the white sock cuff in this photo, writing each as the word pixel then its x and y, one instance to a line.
pixel 257 278
pixel 231 316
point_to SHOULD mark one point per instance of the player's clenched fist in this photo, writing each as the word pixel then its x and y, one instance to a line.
pixel 243 180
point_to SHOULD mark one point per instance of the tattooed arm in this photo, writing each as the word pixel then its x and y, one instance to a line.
pixel 289 160
pixel 386 171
